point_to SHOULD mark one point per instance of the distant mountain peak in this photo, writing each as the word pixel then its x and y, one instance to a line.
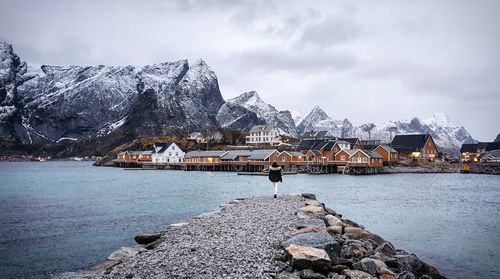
pixel 439 118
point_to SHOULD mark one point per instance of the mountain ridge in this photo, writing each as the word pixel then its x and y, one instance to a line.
pixel 54 103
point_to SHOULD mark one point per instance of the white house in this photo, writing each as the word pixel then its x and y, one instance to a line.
pixel 167 152
pixel 197 137
pixel 264 134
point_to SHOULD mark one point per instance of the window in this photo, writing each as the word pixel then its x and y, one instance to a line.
pixel 364 159
pixel 173 147
pixel 176 153
pixel 169 153
pixel 342 157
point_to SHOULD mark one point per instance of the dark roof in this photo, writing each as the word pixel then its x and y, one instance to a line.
pixel 329 145
pixel 482 145
pixel 493 146
pixel 350 140
pixel 316 152
pixel 164 146
pixel 372 154
pixel 307 144
pixel 469 147
pixel 409 143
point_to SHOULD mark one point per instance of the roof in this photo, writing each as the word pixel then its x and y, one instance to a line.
pixel 482 145
pixel 493 146
pixel 349 151
pixel 293 153
pixel 388 148
pixel 316 134
pixel 201 153
pixel 469 147
pixel 164 146
pixel 262 128
pixel 135 153
pixel 148 152
pixel 315 152
pixel 261 154
pixel 492 154
pixel 409 143
pixel 350 140
pixel 372 154
pixel 233 154
pixel 307 144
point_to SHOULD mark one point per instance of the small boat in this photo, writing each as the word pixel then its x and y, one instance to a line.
pixel 264 173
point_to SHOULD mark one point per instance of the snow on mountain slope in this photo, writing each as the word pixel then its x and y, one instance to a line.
pixel 87 101
pixel 318 120
pixel 252 102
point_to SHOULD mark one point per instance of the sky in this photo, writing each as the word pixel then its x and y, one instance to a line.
pixel 368 61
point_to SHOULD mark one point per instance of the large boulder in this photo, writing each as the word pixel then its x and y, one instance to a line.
pixel 303 257
pixel 355 249
pixel 308 230
pixel 371 266
pixel 357 274
pixel 312 222
pixel 147 238
pixel 308 196
pixel 412 264
pixel 310 274
pixel 355 232
pixel 320 240
pixel 313 209
pixel 387 249
pixel 334 221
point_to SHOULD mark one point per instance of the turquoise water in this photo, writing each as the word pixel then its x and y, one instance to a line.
pixel 65 216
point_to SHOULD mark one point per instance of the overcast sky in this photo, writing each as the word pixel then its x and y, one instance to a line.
pixel 368 61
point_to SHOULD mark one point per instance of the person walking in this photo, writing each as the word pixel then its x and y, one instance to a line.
pixel 275 177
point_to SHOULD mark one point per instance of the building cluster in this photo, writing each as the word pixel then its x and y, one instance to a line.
pixel 264 146
pixel 484 152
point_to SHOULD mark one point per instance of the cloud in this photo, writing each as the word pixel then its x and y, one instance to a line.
pixel 332 30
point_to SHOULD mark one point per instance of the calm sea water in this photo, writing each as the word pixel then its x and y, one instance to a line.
pixel 65 216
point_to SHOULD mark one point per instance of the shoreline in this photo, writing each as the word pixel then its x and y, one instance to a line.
pixel 305 240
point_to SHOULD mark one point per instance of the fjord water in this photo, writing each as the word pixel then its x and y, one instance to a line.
pixel 65 216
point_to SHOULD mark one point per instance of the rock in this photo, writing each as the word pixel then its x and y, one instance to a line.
pixel 353 224
pixel 366 266
pixel 371 266
pixel 318 210
pixel 386 248
pixel 330 211
pixel 310 274
pixel 313 222
pixel 124 253
pixel 434 272
pixel 305 215
pixel 335 230
pixel 406 275
pixel 333 221
pixel 314 202
pixel 374 237
pixel 308 230
pixel 339 268
pixel 320 240
pixel 387 276
pixel 302 257
pixel 355 232
pixel 178 225
pixel 411 263
pixel 288 275
pixel 356 274
pixel 308 196
pixel 147 238
pixel 332 275
pixel 353 249
pixel 386 271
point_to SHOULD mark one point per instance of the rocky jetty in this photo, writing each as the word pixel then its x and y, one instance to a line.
pixel 290 237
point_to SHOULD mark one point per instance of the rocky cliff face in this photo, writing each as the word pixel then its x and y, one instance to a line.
pixel 74 102
pixel 252 102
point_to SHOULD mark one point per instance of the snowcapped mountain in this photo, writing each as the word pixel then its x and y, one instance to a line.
pixel 318 120
pixel 55 102
pixel 448 138
pixel 252 102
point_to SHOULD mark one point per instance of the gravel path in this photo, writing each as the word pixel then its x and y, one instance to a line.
pixel 241 241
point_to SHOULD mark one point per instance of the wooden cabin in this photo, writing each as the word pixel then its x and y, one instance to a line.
pixel 314 156
pixel 469 152
pixel 145 156
pixel 204 157
pixel 419 146
pixel 368 158
pixel 390 154
pixel 264 155
pixel 291 157
pixel 344 156
pixel 354 143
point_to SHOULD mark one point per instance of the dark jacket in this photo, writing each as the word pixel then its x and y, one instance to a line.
pixel 275 174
